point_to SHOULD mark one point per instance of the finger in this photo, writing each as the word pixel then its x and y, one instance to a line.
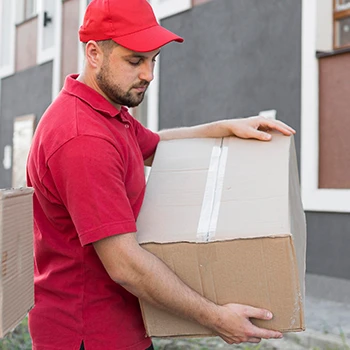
pixel 286 126
pixel 265 333
pixel 255 312
pixel 281 128
pixel 260 135
pixel 273 123
pixel 254 340
pixel 277 125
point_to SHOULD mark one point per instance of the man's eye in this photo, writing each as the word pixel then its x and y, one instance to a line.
pixel 135 63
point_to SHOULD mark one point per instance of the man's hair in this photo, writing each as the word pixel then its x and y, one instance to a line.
pixel 106 46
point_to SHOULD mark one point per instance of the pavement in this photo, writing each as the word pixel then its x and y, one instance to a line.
pixel 327 328
pixel 327 324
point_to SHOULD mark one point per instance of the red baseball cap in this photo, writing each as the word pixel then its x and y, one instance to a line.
pixel 130 23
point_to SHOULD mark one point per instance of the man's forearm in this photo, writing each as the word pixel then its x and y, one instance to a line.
pixel 159 286
pixel 252 127
pixel 148 278
pixel 214 129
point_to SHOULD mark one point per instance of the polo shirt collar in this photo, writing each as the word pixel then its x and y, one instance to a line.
pixel 92 97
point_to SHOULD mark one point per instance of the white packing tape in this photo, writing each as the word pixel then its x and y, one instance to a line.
pixel 218 193
pixel 212 194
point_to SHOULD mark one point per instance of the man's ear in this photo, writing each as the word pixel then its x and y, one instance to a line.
pixel 93 54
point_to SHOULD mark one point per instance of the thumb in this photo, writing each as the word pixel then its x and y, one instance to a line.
pixel 263 314
pixel 262 135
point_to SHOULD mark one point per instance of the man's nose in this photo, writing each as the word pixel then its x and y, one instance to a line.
pixel 147 72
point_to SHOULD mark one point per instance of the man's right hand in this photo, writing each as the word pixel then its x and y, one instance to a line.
pixel 234 325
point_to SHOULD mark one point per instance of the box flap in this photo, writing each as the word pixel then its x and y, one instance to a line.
pixel 297 218
pixel 261 272
pixel 220 188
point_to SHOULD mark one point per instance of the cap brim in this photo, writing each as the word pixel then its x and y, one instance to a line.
pixel 149 39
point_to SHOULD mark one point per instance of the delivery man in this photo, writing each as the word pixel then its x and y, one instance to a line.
pixel 86 165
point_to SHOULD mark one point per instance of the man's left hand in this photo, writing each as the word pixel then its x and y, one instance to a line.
pixel 256 127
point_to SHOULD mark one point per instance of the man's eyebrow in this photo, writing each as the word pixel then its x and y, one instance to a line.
pixel 140 55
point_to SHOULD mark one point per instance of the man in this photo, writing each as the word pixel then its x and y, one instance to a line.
pixel 86 166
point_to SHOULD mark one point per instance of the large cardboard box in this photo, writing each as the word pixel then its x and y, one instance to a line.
pixel 226 216
pixel 16 248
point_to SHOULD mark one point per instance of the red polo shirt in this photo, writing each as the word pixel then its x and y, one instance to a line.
pixel 86 166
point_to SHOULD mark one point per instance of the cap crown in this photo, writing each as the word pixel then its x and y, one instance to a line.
pixel 111 19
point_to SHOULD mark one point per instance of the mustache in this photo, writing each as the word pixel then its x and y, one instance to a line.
pixel 143 83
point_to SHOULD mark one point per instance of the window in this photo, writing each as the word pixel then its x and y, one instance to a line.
pixel 341 17
pixel 50 38
pixel 314 16
pixel 7 37
pixel 48 29
pixel 82 8
pixel 167 8
pixel 25 9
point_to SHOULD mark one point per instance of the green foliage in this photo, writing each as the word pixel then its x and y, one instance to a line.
pixel 344 339
pixel 19 339
pixel 253 347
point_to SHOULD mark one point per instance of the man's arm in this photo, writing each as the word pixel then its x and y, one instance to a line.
pixel 149 160
pixel 252 127
pixel 246 128
pixel 147 277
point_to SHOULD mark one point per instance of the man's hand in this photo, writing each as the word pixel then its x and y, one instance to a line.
pixel 234 324
pixel 256 127
pixel 246 128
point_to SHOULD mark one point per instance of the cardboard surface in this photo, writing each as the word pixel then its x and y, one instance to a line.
pixel 226 216
pixel 16 247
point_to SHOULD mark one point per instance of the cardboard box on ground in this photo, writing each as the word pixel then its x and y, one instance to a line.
pixel 226 216
pixel 16 247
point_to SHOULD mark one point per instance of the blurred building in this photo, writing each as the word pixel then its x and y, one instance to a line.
pixel 238 58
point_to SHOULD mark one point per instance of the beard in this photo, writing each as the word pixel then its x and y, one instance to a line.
pixel 115 93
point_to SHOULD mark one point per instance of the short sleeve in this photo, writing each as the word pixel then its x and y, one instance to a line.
pixel 89 175
pixel 147 139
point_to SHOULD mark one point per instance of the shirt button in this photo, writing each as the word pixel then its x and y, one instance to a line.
pixel 127 126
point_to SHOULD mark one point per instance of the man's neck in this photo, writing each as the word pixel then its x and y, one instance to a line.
pixel 91 82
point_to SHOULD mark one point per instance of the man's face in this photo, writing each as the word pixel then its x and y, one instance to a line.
pixel 125 75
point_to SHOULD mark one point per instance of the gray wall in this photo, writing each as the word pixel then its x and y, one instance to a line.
pixel 26 92
pixel 328 244
pixel 240 57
